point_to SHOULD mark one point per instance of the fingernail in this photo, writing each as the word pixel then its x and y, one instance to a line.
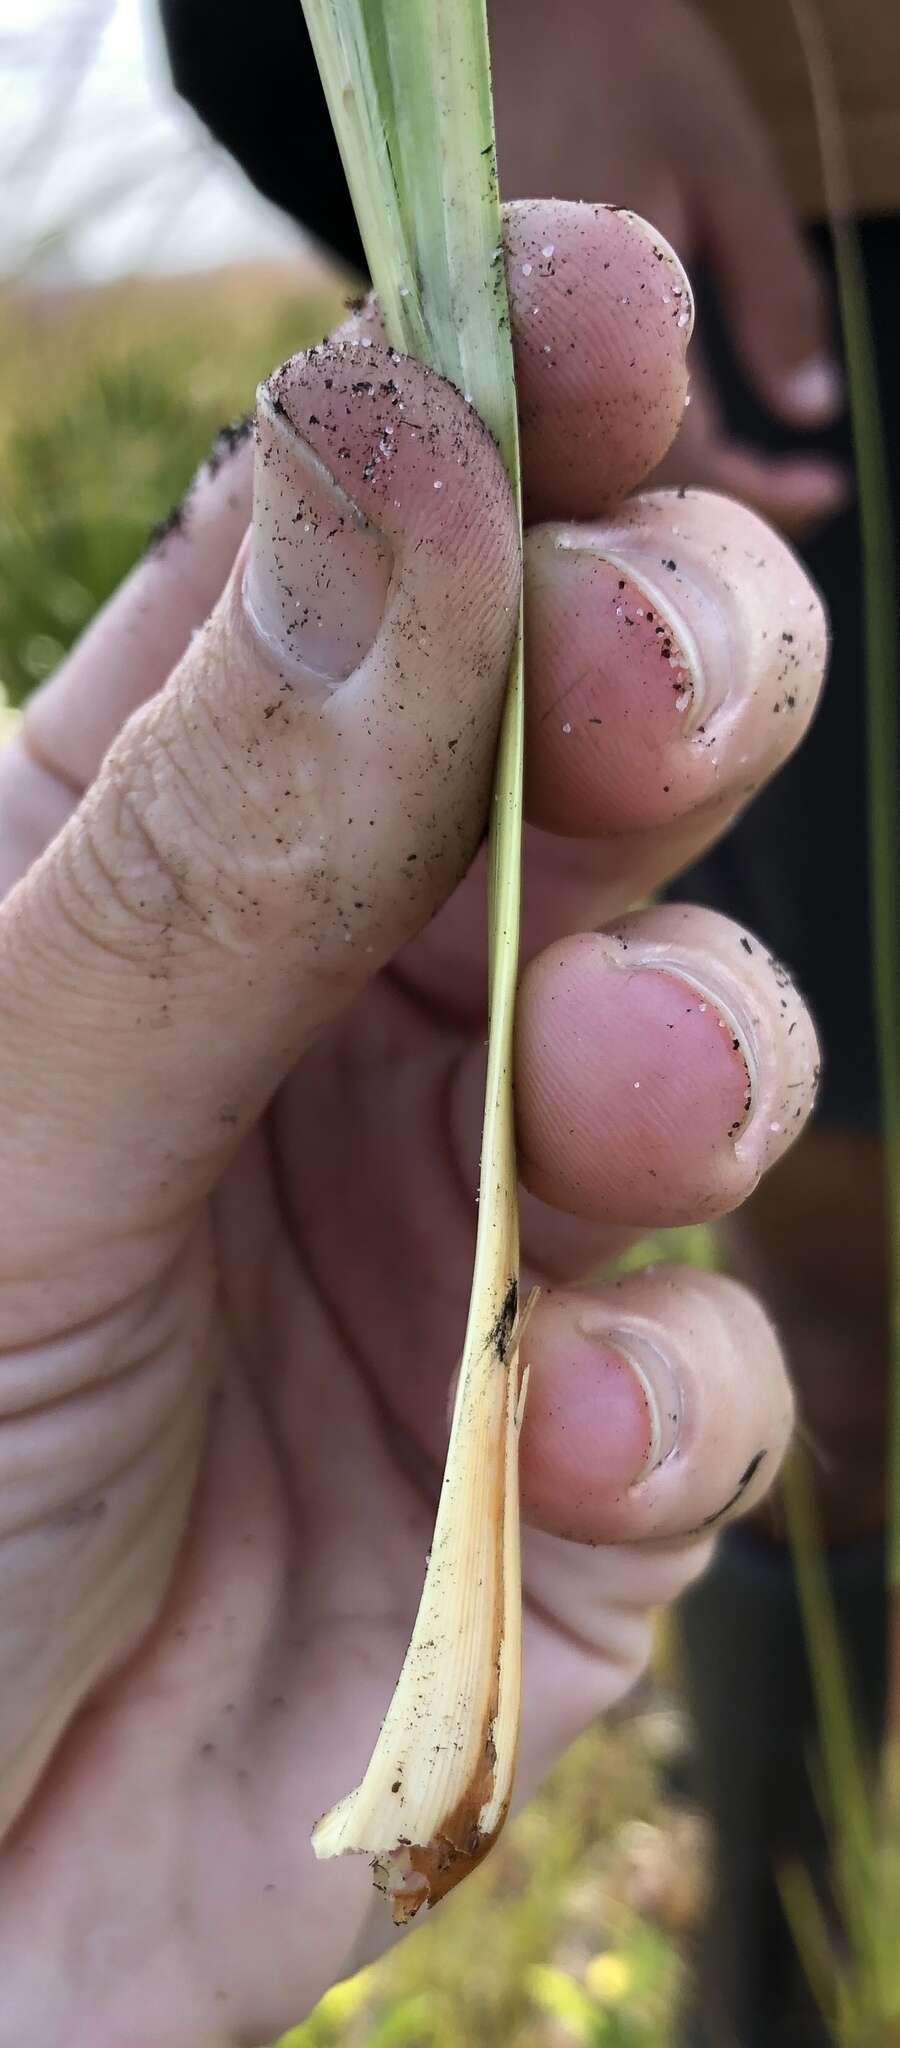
pixel 658 1382
pixel 728 1009
pixel 814 392
pixel 318 571
pixel 664 614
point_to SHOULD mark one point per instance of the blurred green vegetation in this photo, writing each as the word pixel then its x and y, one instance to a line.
pixel 108 402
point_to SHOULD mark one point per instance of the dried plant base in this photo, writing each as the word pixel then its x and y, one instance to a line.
pixel 437 1790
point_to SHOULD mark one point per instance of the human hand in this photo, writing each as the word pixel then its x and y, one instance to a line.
pixel 642 104
pixel 240 1075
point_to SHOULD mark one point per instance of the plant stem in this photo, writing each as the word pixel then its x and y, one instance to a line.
pixel 408 84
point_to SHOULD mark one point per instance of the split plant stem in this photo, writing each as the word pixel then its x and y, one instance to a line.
pixel 408 86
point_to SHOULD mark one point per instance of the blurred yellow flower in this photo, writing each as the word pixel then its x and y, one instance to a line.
pixel 609 1978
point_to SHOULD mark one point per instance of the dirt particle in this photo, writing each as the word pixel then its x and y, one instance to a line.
pixel 505 1323
pixel 174 522
pixel 228 440
pixel 740 1489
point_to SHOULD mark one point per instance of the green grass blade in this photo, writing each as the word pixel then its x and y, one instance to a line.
pixel 812 1938
pixel 882 664
pixel 848 1792
pixel 408 84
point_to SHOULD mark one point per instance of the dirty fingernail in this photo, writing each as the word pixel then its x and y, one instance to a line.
pixel 318 571
pixel 659 1386
pixel 729 1011
pixel 671 623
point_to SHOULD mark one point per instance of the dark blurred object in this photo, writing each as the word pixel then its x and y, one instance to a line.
pixel 795 867
pixel 248 69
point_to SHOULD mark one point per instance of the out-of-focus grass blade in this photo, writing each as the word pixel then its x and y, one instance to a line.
pixel 882 656
pixel 865 1830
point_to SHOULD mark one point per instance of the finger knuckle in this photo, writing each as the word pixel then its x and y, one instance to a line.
pixel 179 848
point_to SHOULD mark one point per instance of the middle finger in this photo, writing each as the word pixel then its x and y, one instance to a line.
pixel 675 655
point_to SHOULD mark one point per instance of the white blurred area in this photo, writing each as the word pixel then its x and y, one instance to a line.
pixel 103 171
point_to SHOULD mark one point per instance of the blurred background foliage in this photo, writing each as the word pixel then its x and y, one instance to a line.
pixel 109 399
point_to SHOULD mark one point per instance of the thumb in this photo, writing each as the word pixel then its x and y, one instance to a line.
pixel 267 830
